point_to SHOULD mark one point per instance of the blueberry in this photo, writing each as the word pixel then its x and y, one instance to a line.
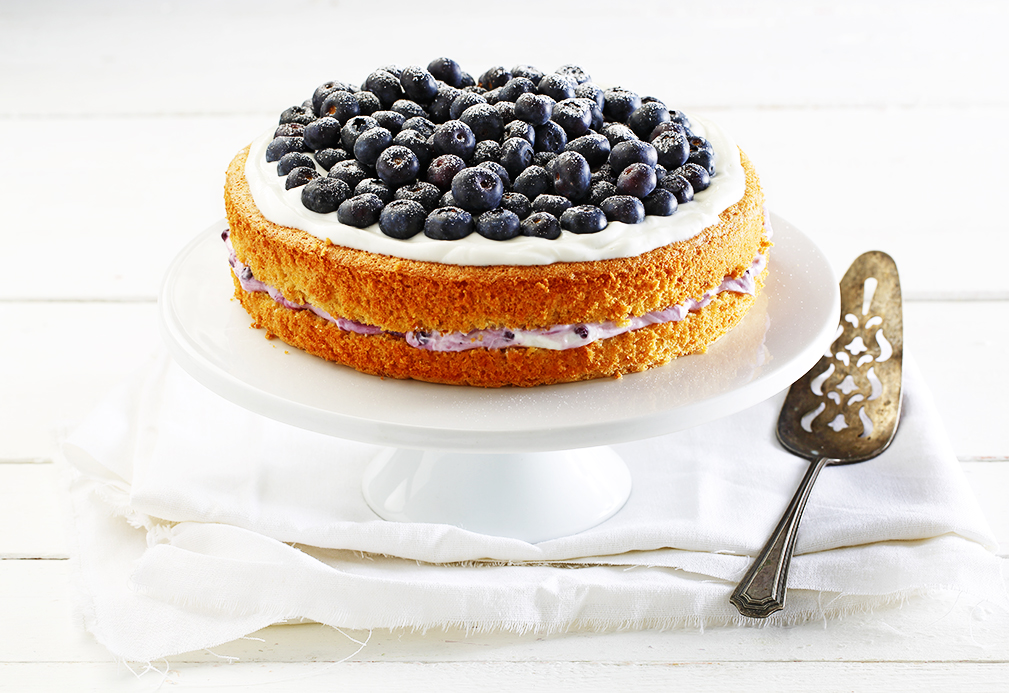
pixel 529 72
pixel 574 115
pixel 497 168
pixel 417 143
pixel 630 152
pixel 604 173
pixel 672 149
pixel 402 219
pixel 593 146
pixel 576 73
pixel 324 90
pixel 533 181
pixel 464 100
pixel 572 175
pixel 397 165
pixel 696 175
pixel 439 108
pixel 541 225
pixel 360 211
pixel 299 176
pixel 392 69
pixel 408 109
pixel 322 133
pixel 453 137
pixel 583 219
pixel 660 203
pixel 625 208
pixel 486 150
pixel 442 170
pixel 385 85
pixel 518 203
pixel 516 87
pixel 280 146
pixel 543 159
pixel 424 193
pixel 390 120
pixel 327 158
pixel 293 160
pixel 289 130
pixel 554 204
pixel 681 188
pixel 620 103
pixel 637 180
pixel 520 128
pixel 681 118
pixel 506 109
pixel 550 137
pixel 498 224
pixel 324 195
pixel 370 144
pixel 589 90
pixel 477 189
pixel 557 87
pixel 349 171
pixel 534 108
pixel 699 144
pixel 669 126
pixel 703 158
pixel 418 84
pixel 494 77
pixel 298 114
pixel 376 187
pixel 448 224
pixel 516 155
pixel 447 70
pixel 353 128
pixel 422 125
pixel 600 191
pixel 341 105
pixel 647 117
pixel 617 133
pixel 484 120
pixel 446 200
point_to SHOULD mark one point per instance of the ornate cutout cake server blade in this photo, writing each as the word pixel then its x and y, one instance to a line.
pixel 844 410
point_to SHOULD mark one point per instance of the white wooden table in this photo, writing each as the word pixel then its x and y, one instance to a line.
pixel 873 125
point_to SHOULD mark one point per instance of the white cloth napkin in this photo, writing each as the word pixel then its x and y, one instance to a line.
pixel 195 522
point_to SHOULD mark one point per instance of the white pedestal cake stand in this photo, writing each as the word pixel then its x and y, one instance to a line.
pixel 528 463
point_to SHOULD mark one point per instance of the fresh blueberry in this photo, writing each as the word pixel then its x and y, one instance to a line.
pixel 620 103
pixel 390 120
pixel 385 85
pixel 660 203
pixel 550 137
pixel 574 115
pixel 464 100
pixel 516 87
pixel 535 109
pixel 370 144
pixel 349 171
pixel 446 70
pixel 544 159
pixel 681 118
pixel 298 114
pixel 647 117
pixel 442 170
pixel 418 84
pixel 589 90
pixel 498 224
pixel 668 126
pixel 293 160
pixel 554 204
pixel 533 181
pixel 604 173
pixel 637 180
pixel 448 224
pixel 516 155
pixel 625 208
pixel 494 77
pixel 299 176
pixel 324 195
pixel 368 102
pixel 506 109
pixel 422 125
pixel 541 225
pixel 681 188
pixel 341 105
pixel 630 152
pixel 593 146
pixel 699 144
pixel 280 146
pixel 696 175
pixel 324 90
pixel 518 203
pixel 376 187
pixel 353 128
pixel 408 109
pixel 572 175
pixel 520 128
pixel 477 189
pixel 446 200
pixel 575 72
pixel 327 158
pixel 402 218
pixel 394 70
pixel 322 133
pixel 617 133
pixel 486 150
pixel 424 193
pixel 484 120
pixel 497 168
pixel 557 87
pixel 289 130
pixel 360 210
pixel 439 108
pixel 416 143
pixel 397 165
pixel 600 190
pixel 672 149
pixel 703 158
pixel 583 219
pixel 453 137
pixel 531 73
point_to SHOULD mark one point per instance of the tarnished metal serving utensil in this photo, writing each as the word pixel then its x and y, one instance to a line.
pixel 844 410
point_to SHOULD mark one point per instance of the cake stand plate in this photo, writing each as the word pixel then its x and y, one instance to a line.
pixel 530 463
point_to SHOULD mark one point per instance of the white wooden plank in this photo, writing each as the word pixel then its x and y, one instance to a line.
pixel 31 519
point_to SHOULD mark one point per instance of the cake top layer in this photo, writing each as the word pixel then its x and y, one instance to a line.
pixel 495 173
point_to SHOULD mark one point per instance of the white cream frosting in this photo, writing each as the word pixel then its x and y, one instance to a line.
pixel 617 240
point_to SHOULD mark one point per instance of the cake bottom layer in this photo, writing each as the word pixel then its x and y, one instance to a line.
pixel 390 355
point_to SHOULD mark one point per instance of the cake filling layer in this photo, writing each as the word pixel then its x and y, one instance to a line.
pixel 557 337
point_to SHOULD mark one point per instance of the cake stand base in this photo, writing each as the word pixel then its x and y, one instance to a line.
pixel 532 496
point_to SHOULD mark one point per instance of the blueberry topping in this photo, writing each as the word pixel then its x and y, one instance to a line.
pixel 550 137
pixel 424 193
pixel 500 170
pixel 557 87
pixel 593 146
pixel 518 203
pixel 541 225
pixel 703 158
pixel 385 85
pixel 672 149
pixel 600 190
pixel 574 115
pixel 324 195
pixel 516 87
pixel 280 146
pixel 442 170
pixel 575 72
pixel 588 90
pixel 464 100
pixel 298 114
pixel 647 118
pixel 322 133
pixel 681 188
pixel 534 108
pixel 632 152
pixel 583 219
pixel 360 211
pixel 370 144
pixel 531 73
pixel 349 171
pixel 454 137
pixel 660 203
pixel 289 130
pixel 417 143
pixel 486 150
pixel 446 70
pixel 507 110
pixel 533 181
pixel 418 84
pixel 516 155
pixel 637 180
pixel 484 120
pixel 620 103
pixel 495 77
pixel 390 120
pixel 375 187
pixel 368 102
pixel 353 128
pixel 617 133
pixel 341 105
pixel 477 189
pixel 397 165
pixel 554 204
pixel 668 126
pixel 498 224
pixel 448 224
pixel 299 176
pixel 422 125
pixel 324 90
pixel 439 108
pixel 571 175
pixel 696 175
pixel 521 129
pixel 629 210
pixel 402 218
